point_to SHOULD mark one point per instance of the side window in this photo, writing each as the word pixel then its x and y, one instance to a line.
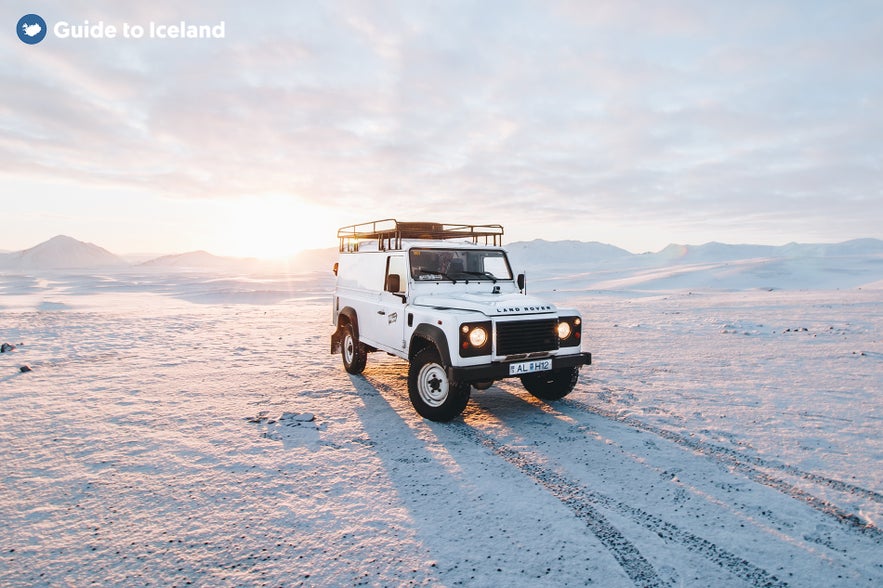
pixel 395 266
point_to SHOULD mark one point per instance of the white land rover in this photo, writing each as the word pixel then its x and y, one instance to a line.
pixel 443 297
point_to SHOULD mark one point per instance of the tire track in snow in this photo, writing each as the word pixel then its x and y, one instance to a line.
pixel 746 464
pixel 583 503
pixel 759 461
pixel 638 569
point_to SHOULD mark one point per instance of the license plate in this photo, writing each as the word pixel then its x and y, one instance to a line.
pixel 527 367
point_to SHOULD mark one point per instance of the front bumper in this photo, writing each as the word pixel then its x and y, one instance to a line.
pixel 500 370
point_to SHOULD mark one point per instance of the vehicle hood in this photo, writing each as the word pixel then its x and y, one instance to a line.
pixel 486 303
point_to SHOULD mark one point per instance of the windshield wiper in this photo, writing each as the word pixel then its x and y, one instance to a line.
pixel 436 273
pixel 487 275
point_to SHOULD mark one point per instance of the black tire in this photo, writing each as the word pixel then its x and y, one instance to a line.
pixel 433 394
pixel 352 351
pixel 551 385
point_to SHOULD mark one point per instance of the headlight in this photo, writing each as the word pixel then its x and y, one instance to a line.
pixel 475 339
pixel 569 331
pixel 478 337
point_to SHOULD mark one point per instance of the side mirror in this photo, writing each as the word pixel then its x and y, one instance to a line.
pixel 335 267
pixel 393 283
pixel 522 281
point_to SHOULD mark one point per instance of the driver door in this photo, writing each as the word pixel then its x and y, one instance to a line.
pixel 390 317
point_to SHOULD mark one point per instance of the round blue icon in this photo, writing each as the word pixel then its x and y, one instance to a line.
pixel 31 29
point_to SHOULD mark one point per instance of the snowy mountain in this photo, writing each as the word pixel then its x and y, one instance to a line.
pixel 61 252
pixel 718 266
pixel 714 251
pixel 540 252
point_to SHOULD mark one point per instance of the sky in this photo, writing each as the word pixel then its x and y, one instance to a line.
pixel 633 123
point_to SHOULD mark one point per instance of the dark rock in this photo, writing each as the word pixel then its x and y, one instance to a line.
pixel 25 368
pixel 6 347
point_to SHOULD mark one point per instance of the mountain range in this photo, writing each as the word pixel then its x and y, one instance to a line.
pixel 551 264
pixel 64 252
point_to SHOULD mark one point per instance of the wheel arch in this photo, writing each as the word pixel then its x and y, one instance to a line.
pixel 424 336
pixel 346 316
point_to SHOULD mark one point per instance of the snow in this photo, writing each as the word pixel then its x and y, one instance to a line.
pixel 191 427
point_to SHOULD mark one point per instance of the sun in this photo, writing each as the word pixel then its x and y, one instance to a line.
pixel 272 227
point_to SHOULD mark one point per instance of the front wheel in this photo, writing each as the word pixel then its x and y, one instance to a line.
pixel 435 396
pixel 551 385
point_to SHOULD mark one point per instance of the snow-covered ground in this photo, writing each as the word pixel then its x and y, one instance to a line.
pixel 192 428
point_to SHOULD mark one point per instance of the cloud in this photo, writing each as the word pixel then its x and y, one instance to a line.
pixel 671 114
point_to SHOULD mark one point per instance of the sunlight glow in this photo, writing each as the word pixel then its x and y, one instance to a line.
pixel 271 227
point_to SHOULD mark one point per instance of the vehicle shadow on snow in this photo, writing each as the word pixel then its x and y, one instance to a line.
pixel 452 486
pixel 413 459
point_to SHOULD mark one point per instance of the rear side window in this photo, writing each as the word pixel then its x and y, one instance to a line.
pixel 396 266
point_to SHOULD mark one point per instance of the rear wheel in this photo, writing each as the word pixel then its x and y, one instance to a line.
pixel 353 352
pixel 434 395
pixel 551 385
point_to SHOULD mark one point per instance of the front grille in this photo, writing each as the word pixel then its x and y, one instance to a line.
pixel 526 336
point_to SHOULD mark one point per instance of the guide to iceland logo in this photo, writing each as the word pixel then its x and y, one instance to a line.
pixel 31 29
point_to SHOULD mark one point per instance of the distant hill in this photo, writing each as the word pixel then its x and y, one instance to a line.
pixel 62 252
pixel 713 251
pixel 202 260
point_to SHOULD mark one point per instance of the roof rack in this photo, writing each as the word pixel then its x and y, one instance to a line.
pixel 389 233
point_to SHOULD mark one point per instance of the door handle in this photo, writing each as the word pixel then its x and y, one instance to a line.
pixel 381 312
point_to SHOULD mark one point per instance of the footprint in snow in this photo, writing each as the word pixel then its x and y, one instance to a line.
pixel 288 419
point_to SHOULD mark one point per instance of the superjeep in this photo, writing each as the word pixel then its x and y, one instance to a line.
pixel 443 297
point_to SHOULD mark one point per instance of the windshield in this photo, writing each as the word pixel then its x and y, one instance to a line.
pixel 459 264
